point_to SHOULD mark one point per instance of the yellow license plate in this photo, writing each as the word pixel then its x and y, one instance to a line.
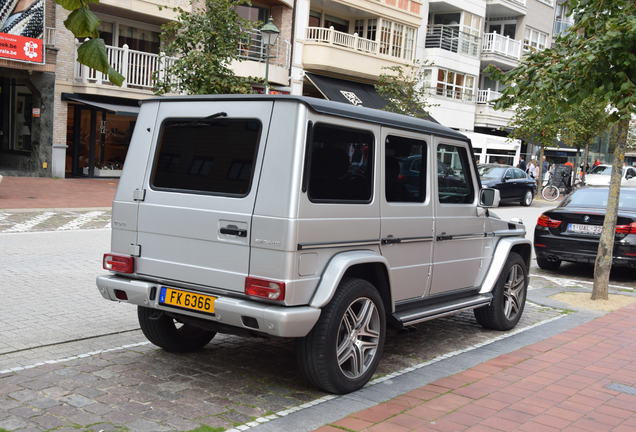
pixel 186 300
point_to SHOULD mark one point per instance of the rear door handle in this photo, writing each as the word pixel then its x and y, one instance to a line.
pixel 233 230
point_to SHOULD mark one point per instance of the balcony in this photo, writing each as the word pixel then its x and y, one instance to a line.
pixel 252 54
pixel 486 115
pixel 451 38
pixel 348 54
pixel 138 68
pixel 503 51
pixel 505 8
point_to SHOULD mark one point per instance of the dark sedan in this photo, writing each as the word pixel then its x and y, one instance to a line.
pixel 513 184
pixel 571 231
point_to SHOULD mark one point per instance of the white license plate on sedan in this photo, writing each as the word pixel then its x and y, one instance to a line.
pixel 585 229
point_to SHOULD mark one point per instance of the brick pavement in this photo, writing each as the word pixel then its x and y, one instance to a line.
pixel 580 380
pixel 40 192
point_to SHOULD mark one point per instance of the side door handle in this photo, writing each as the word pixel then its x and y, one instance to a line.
pixel 444 236
pixel 233 230
pixel 390 240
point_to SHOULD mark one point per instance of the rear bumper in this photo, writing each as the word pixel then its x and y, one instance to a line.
pixel 280 321
pixel 581 250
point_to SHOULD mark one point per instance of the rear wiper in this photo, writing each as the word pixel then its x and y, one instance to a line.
pixel 213 116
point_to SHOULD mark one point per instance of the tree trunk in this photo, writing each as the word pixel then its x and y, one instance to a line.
pixel 603 264
pixel 586 156
pixel 576 165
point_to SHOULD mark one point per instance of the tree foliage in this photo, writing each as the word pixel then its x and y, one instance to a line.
pixel 595 60
pixel 205 41
pixel 84 24
pixel 402 88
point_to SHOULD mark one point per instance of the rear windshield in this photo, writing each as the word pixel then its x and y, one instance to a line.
pixel 597 198
pixel 210 156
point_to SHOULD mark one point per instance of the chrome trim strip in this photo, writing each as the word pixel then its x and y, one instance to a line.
pixel 416 239
pixel 324 245
pixel 507 233
pixel 469 236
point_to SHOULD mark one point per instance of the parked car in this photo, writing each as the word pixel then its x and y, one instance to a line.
pixel 251 215
pixel 571 231
pixel 513 184
pixel 600 176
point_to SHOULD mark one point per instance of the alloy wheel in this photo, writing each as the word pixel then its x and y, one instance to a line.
pixel 358 337
pixel 513 291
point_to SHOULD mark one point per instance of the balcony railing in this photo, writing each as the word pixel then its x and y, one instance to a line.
pixel 451 38
pixel 514 2
pixel 503 45
pixel 137 67
pixel 252 48
pixel 353 42
pixel 561 26
pixel 487 96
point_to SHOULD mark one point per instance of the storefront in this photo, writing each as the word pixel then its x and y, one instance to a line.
pixel 99 130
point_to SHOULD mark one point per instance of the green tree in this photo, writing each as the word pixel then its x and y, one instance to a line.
pixel 595 59
pixel 84 25
pixel 205 41
pixel 402 88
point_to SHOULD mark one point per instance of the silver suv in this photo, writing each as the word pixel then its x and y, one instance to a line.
pixel 303 218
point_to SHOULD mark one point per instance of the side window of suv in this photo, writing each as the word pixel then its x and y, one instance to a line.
pixel 341 164
pixel 405 169
pixel 453 175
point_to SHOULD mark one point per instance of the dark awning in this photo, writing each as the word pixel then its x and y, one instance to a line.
pixel 350 92
pixel 114 108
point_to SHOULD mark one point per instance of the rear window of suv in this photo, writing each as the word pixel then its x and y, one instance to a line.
pixel 210 156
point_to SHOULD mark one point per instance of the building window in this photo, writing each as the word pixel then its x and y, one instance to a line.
pixel 16 121
pixel 253 13
pixel 451 84
pixel 534 40
pixel 396 46
pixel 338 24
pixel 385 36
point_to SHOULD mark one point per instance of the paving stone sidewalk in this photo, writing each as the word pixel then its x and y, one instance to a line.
pixel 580 380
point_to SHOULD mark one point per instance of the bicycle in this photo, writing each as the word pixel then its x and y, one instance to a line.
pixel 551 191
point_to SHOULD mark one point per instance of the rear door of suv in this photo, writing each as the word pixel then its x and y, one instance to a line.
pixel 199 190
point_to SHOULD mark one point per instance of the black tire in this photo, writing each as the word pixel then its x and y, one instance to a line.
pixel 317 353
pixel 545 264
pixel 527 198
pixel 509 289
pixel 550 193
pixel 162 330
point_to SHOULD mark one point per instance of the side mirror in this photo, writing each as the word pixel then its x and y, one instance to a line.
pixel 489 198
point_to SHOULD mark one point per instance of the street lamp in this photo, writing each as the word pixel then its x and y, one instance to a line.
pixel 269 35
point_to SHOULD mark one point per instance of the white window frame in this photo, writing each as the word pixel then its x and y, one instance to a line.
pixel 450 90
pixel 531 39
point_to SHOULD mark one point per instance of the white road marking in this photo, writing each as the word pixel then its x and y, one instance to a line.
pixel 67 359
pixel 81 220
pixel 25 226
pixel 565 282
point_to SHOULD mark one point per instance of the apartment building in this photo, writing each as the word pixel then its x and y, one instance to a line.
pixel 94 119
pixel 27 63
pixel 342 46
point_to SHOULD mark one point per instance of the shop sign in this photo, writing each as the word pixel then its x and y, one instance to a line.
pixel 22 30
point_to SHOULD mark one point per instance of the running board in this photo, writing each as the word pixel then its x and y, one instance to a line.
pixel 437 310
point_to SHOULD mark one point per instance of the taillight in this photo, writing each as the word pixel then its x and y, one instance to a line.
pixel 118 263
pixel 267 289
pixel 546 221
pixel 626 229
